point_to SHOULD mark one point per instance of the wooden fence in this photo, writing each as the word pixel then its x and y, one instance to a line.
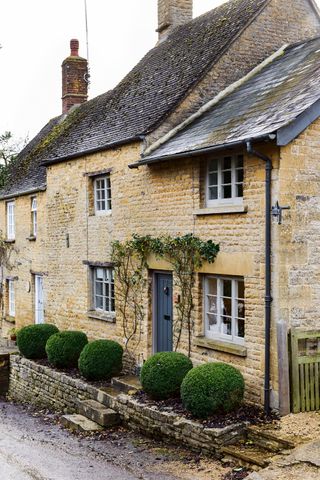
pixel 305 370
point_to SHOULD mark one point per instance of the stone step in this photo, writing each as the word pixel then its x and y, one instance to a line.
pixel 127 383
pixel 247 455
pixel 268 439
pixel 80 423
pixel 108 395
pixel 98 413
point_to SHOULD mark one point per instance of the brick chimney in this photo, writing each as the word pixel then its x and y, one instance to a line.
pixel 172 13
pixel 74 78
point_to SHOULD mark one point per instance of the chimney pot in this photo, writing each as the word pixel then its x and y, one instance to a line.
pixel 74 47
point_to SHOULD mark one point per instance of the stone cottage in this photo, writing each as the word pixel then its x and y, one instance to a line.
pixel 191 123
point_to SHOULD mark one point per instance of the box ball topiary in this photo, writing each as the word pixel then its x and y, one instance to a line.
pixel 64 348
pixel 101 360
pixel 212 388
pixel 162 374
pixel 32 339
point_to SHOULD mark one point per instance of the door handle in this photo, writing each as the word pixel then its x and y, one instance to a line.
pixel 167 317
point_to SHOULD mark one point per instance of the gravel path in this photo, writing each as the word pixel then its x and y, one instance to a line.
pixel 34 447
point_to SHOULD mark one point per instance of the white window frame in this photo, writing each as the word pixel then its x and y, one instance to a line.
pixel 217 334
pixel 102 194
pixel 34 216
pixel 11 234
pixel 234 200
pixel 11 299
pixel 106 279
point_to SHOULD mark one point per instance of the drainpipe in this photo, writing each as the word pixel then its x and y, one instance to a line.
pixel 268 298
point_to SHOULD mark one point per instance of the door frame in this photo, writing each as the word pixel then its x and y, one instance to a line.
pixel 36 293
pixel 155 305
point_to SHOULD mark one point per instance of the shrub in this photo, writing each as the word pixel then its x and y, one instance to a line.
pixel 212 388
pixel 64 348
pixel 31 340
pixel 162 374
pixel 101 360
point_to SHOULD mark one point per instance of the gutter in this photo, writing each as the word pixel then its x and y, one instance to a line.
pixel 42 188
pixel 83 153
pixel 268 297
pixel 200 151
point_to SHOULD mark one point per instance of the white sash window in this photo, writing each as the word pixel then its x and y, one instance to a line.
pixel 10 221
pixel 224 308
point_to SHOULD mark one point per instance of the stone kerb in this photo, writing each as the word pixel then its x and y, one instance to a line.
pixel 42 386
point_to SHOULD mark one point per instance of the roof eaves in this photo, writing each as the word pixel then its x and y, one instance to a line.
pixel 201 151
pixel 29 191
pixel 108 146
pixel 289 132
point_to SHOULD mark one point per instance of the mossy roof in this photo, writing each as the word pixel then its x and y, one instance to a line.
pixel 275 98
pixel 145 97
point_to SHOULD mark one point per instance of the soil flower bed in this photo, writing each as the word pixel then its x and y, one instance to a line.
pixel 248 413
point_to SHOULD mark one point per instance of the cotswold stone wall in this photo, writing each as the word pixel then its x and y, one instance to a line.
pixel 42 386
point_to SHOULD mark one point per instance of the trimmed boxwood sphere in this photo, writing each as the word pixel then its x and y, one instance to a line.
pixel 162 374
pixel 101 360
pixel 64 348
pixel 31 340
pixel 212 388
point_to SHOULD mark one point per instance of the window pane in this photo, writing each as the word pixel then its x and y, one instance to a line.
pixel 239 176
pixel 212 322
pixel 99 302
pixel 240 329
pixel 99 288
pixel 226 191
pixel 213 193
pixel 226 306
pixel 239 161
pixel 226 164
pixel 227 288
pixel 226 177
pixel 212 304
pixel 212 286
pixel 213 165
pixel 239 190
pixel 213 179
pixel 240 289
pixel 226 326
pixel 241 309
pixel 99 273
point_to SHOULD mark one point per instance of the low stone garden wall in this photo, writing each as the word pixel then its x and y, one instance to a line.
pixel 42 386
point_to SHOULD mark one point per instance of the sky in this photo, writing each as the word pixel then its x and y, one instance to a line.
pixel 35 37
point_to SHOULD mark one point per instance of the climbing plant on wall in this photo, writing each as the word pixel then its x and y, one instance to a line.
pixel 185 253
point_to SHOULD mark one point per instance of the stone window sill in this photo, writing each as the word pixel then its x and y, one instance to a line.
pixel 10 241
pixel 221 209
pixel 221 346
pixel 32 238
pixel 102 316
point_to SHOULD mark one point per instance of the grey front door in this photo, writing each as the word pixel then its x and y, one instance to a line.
pixel 163 312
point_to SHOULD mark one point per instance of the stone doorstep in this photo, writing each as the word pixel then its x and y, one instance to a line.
pixel 98 413
pixel 268 440
pixel 80 423
pixel 127 383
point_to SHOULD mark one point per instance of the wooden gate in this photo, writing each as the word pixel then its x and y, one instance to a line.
pixel 305 370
